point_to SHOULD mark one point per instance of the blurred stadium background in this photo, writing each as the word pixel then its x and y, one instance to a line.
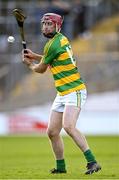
pixel 25 97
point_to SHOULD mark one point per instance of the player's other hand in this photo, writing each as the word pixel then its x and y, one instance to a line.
pixel 26 61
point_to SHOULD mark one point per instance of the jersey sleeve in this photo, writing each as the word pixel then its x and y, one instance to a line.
pixel 51 52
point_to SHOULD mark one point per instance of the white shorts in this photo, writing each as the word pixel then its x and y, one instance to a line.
pixel 77 98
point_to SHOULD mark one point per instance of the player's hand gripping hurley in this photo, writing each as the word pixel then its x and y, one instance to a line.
pixel 20 17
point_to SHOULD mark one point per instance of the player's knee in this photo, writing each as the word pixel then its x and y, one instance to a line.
pixel 69 129
pixel 51 133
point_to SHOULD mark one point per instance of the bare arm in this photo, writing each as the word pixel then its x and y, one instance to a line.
pixel 39 68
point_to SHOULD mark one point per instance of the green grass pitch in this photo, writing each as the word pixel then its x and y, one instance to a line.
pixel 32 158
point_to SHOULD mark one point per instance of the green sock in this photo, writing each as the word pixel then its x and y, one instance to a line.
pixel 89 156
pixel 60 164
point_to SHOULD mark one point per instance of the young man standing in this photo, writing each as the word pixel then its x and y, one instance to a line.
pixel 71 91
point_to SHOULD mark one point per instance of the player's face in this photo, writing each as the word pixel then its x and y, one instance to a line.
pixel 48 28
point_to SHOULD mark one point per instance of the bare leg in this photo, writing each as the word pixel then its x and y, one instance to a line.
pixel 70 117
pixel 54 128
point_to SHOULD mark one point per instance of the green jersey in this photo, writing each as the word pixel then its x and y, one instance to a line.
pixel 58 54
